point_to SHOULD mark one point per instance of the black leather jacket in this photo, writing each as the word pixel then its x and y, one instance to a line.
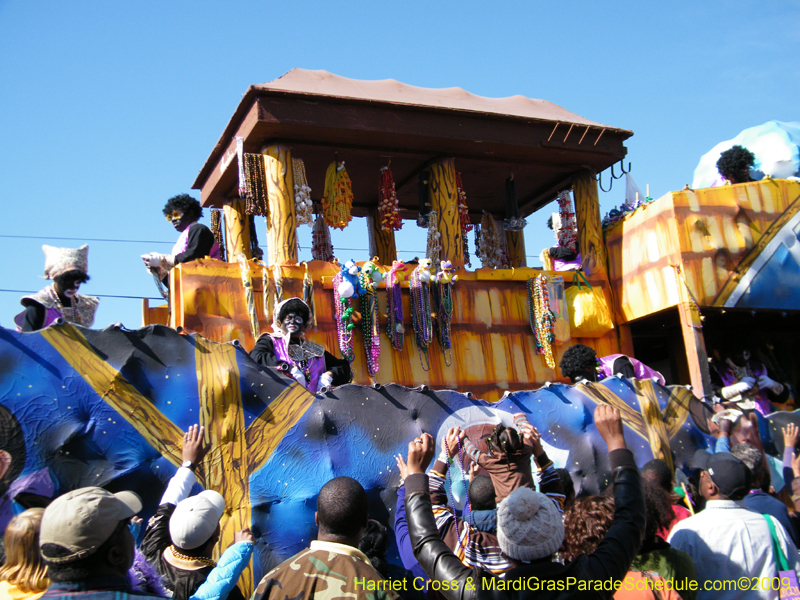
pixel 540 579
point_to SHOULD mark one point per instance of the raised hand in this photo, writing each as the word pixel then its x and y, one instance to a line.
pixel 609 423
pixel 193 449
pixel 420 453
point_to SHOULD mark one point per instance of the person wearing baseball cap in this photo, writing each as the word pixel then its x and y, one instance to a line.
pixel 726 538
pixel 87 546
pixel 181 535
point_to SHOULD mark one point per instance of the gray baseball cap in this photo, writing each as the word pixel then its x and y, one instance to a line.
pixel 83 519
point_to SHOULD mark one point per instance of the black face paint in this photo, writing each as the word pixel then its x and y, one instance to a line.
pixel 292 323
pixel 180 221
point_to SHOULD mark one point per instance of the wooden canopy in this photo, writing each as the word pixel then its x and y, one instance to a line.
pixel 322 117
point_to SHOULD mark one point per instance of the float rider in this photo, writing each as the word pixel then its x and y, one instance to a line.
pixel 68 268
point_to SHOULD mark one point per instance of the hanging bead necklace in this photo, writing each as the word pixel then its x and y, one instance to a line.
pixel 388 208
pixel 302 193
pixel 444 308
pixel 344 322
pixel 489 251
pixel 434 247
pixel 542 318
pixel 395 330
pixel 464 483
pixel 337 199
pixel 568 234
pixel 321 247
pixel 421 311
pixel 255 189
pixel 369 321
pixel 463 216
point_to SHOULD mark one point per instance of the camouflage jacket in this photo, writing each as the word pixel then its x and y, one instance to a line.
pixel 331 570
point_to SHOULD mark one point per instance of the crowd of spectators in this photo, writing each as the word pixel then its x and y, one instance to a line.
pixel 521 533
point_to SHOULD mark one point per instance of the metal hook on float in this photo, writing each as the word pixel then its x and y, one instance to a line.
pixel 600 182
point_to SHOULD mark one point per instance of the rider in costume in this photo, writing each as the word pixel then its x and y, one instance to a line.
pixel 68 268
pixel 286 348
pixel 196 240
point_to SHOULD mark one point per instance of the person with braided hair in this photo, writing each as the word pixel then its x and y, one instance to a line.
pixel 508 461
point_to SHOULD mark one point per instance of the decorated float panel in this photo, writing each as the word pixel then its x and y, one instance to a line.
pixel 492 348
pixel 109 408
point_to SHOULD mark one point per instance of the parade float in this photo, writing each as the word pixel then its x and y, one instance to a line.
pixel 432 343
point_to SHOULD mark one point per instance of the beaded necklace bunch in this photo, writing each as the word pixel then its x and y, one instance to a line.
pixel 369 314
pixel 421 310
pixel 344 322
pixel 395 329
pixel 444 308
pixel 489 249
pixel 464 483
pixel 568 234
pixel 337 199
pixel 388 208
pixel 217 225
pixel 463 217
pixel 321 246
pixel 255 189
pixel 434 246
pixel 302 194
pixel 542 318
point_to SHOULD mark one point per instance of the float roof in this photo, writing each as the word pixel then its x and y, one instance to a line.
pixel 322 117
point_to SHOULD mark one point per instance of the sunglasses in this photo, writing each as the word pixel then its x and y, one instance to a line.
pixel 175 214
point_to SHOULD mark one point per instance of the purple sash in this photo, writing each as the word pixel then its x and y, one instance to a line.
pixel 50 317
pixel 316 366
pixel 641 370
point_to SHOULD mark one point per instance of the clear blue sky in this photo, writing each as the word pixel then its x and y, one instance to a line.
pixel 109 108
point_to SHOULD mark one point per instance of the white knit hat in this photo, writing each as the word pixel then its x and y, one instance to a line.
pixel 529 525
pixel 58 261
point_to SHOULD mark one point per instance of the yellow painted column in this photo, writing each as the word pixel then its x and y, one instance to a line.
pixel 590 229
pixel 281 223
pixel 381 242
pixel 516 248
pixel 237 230
pixel 444 200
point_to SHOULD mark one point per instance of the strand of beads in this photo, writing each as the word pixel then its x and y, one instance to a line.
pixel 217 225
pixel 255 186
pixel 434 246
pixel 444 307
pixel 463 216
pixel 321 246
pixel 568 234
pixel 395 329
pixel 532 316
pixel 388 208
pixel 337 199
pixel 369 315
pixel 464 483
pixel 490 251
pixel 545 319
pixel 344 323
pixel 421 310
pixel 302 194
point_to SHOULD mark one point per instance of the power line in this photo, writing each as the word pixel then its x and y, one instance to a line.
pixel 98 295
pixel 72 239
